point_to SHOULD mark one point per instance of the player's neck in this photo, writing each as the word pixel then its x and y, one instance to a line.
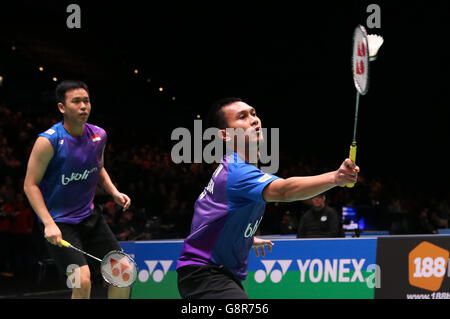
pixel 246 156
pixel 74 130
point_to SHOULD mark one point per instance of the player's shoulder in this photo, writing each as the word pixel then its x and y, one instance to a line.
pixel 53 132
pixel 242 172
pixel 239 168
pixel 95 130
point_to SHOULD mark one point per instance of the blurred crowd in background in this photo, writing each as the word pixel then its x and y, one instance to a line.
pixel 163 193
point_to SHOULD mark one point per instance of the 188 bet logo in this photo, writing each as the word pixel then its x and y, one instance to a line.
pixel 427 266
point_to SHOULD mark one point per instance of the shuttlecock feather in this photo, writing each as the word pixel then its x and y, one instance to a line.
pixel 374 41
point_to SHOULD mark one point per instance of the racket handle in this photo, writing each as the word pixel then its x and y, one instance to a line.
pixel 352 156
pixel 64 243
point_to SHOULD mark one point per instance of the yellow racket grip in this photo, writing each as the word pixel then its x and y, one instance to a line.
pixel 352 156
pixel 64 243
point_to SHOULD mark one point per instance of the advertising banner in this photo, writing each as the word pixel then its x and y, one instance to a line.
pixel 314 269
pixel 295 269
pixel 414 267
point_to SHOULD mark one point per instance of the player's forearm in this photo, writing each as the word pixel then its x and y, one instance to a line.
pixel 37 202
pixel 105 181
pixel 301 188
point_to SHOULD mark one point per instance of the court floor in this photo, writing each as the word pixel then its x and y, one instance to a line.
pixel 51 287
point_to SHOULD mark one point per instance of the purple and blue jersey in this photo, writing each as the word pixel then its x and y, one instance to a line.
pixel 69 183
pixel 226 217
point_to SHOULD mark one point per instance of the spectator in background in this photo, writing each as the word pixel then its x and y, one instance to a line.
pixel 6 238
pixel 439 219
pixel 320 221
pixel 402 216
pixel 184 220
pixel 288 224
pixel 125 228
pixel 425 226
pixel 109 212
pixel 21 227
pixel 439 215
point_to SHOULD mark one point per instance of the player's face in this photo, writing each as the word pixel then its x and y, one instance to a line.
pixel 242 115
pixel 77 106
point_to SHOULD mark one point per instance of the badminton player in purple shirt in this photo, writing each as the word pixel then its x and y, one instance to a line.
pixel 214 257
pixel 64 168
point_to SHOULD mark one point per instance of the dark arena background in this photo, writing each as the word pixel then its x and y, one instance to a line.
pixel 157 66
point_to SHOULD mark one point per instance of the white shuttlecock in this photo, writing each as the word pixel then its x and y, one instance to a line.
pixel 374 41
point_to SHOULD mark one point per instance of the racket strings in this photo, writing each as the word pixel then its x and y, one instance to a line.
pixel 119 269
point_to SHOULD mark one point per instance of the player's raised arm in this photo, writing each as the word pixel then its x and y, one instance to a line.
pixel 40 156
pixel 300 188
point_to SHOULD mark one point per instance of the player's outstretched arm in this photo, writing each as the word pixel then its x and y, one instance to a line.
pixel 40 156
pixel 300 188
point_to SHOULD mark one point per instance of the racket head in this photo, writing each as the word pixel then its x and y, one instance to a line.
pixel 360 60
pixel 118 269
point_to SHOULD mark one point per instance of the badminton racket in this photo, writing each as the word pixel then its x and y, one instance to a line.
pixel 117 268
pixel 365 49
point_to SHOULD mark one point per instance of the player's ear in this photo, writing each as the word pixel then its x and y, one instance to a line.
pixel 224 135
pixel 61 107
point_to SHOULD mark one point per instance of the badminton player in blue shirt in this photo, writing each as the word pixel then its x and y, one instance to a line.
pixel 64 168
pixel 214 257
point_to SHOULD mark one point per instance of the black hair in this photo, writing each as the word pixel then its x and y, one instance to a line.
pixel 216 117
pixel 67 85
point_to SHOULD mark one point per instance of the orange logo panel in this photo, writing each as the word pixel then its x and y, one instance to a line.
pixel 427 266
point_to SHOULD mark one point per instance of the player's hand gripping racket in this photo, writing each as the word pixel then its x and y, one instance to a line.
pixel 365 49
pixel 117 268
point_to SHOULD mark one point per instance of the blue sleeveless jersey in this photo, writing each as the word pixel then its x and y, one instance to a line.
pixel 226 217
pixel 69 183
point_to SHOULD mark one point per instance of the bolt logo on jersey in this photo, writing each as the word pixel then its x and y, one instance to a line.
pixel 77 176
pixel 251 230
pixel 226 217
